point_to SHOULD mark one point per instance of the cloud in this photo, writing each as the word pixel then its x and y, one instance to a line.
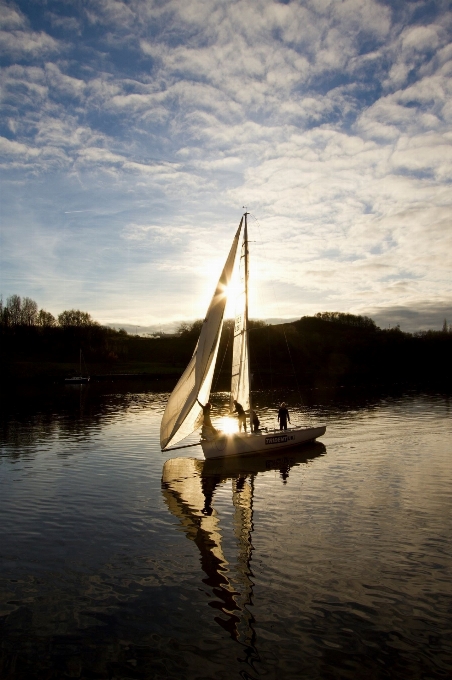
pixel 414 49
pixel 331 121
pixel 11 18
pixel 24 44
pixel 71 25
pixel 12 148
pixel 427 153
pixel 428 314
pixel 63 84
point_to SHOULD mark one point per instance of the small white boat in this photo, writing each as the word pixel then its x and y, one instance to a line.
pixel 183 413
pixel 77 379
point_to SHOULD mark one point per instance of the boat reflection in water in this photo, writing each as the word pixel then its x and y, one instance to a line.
pixel 189 487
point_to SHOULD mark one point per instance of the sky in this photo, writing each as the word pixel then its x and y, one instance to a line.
pixel 132 133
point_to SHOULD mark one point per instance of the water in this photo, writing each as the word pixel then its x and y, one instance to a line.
pixel 330 561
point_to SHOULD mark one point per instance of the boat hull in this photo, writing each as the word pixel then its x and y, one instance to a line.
pixel 243 444
pixel 76 380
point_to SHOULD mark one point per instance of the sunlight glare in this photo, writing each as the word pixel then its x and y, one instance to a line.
pixel 227 425
pixel 233 291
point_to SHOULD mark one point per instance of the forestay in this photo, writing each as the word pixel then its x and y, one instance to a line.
pixel 240 381
pixel 182 410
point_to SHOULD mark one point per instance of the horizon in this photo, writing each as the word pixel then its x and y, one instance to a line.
pixel 133 133
pixel 406 320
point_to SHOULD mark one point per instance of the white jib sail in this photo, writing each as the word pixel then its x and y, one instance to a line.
pixel 240 380
pixel 182 410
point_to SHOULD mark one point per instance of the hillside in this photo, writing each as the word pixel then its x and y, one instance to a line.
pixel 328 349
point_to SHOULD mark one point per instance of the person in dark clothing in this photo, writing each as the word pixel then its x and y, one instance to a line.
pixel 283 416
pixel 208 430
pixel 255 422
pixel 240 415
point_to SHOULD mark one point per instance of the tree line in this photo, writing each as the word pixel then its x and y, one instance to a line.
pixel 23 311
pixel 330 348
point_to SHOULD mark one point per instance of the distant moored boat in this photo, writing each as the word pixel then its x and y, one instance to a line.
pixel 78 378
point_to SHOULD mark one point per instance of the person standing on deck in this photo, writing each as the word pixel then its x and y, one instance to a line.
pixel 255 422
pixel 283 416
pixel 240 415
pixel 208 430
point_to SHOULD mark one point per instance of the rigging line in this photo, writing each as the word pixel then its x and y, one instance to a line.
pixel 268 332
pixel 256 369
pixel 295 374
pixel 270 357
pixel 175 448
pixel 224 357
pixel 274 298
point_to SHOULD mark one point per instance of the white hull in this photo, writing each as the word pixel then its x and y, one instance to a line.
pixel 242 444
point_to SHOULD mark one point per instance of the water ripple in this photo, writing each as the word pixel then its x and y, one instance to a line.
pixel 330 562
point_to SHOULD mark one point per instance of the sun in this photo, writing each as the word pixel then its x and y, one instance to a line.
pixel 233 291
pixel 227 425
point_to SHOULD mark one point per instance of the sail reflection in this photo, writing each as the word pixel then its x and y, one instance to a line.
pixel 189 486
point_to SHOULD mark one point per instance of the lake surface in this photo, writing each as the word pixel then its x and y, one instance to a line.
pixel 329 561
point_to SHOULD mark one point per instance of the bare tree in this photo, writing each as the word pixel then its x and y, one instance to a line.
pixel 29 311
pixel 14 307
pixel 45 318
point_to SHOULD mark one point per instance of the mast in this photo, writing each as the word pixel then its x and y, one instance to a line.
pixel 245 239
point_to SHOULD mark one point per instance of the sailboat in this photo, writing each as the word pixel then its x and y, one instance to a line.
pixel 78 378
pixel 183 411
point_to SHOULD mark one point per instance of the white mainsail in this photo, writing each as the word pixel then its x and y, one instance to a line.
pixel 182 410
pixel 240 380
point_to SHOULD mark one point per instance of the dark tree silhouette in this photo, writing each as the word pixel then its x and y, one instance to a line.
pixel 75 317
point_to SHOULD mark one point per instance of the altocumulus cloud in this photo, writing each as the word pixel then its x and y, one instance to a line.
pixel 133 132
